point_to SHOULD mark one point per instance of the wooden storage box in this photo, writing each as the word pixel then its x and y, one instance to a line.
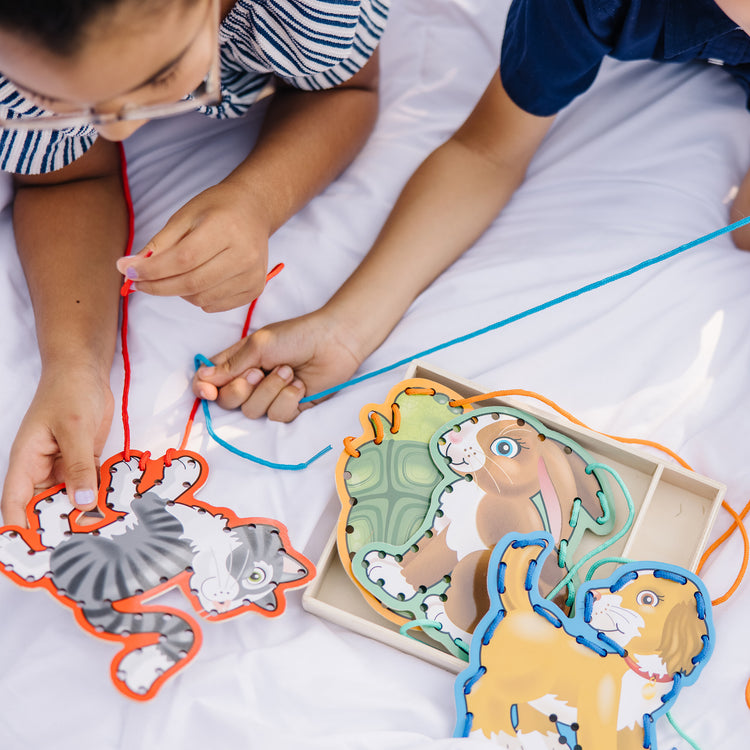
pixel 674 512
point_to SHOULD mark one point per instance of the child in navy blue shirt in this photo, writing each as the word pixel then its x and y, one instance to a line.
pixel 552 49
pixel 551 52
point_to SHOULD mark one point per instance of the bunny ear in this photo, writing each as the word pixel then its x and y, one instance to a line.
pixel 550 501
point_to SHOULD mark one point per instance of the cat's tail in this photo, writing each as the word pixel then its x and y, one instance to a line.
pixel 520 561
pixel 155 644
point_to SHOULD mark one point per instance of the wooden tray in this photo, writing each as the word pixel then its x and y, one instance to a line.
pixel 674 512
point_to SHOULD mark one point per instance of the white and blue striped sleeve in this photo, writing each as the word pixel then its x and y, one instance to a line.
pixel 311 44
pixel 36 151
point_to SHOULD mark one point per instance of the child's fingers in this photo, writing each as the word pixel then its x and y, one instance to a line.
pixel 237 391
pixel 178 226
pixel 79 469
pixel 206 391
pixel 177 248
pixel 266 392
pixel 234 291
pixel 217 285
pixel 205 284
pixel 286 406
pixel 133 266
pixel 229 364
pixel 164 261
pixel 240 291
pixel 218 383
pixel 17 491
pixel 207 381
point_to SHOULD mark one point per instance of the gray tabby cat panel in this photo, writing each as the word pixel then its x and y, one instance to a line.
pixel 154 535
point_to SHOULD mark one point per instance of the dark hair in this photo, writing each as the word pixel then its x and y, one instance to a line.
pixel 59 25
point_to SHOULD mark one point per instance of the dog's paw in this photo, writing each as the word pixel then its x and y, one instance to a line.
pixel 386 571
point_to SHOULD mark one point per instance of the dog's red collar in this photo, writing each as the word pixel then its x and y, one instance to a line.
pixel 650 676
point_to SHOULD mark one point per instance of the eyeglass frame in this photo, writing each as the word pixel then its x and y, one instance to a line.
pixel 206 94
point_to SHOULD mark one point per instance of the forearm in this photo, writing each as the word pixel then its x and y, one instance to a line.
pixel 307 140
pixel 741 210
pixel 446 205
pixel 448 202
pixel 68 237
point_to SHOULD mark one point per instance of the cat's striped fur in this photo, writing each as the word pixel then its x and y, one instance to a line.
pixel 153 541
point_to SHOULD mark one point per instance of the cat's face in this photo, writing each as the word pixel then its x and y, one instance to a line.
pixel 256 564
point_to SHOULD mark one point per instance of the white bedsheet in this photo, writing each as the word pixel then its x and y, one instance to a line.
pixel 644 162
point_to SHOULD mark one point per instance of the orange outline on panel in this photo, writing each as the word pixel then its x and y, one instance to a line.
pixel 373 432
pixel 154 470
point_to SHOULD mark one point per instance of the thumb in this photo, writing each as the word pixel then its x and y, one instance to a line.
pixel 17 491
pixel 79 472
pixel 227 365
pixel 130 265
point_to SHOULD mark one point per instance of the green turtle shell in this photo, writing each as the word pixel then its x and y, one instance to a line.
pixel 390 483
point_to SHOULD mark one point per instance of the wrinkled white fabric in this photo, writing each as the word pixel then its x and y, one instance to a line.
pixel 640 164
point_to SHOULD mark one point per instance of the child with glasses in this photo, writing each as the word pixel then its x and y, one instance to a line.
pixel 551 53
pixel 76 76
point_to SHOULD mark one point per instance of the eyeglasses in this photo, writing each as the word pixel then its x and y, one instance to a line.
pixel 207 94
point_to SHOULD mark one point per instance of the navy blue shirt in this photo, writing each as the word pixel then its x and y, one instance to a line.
pixel 552 49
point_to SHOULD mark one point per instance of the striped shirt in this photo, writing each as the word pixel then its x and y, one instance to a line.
pixel 310 44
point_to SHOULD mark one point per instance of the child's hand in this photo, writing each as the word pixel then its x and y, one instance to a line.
pixel 213 252
pixel 268 372
pixel 60 440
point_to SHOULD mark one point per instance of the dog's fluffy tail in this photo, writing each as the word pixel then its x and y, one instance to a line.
pixel 518 569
